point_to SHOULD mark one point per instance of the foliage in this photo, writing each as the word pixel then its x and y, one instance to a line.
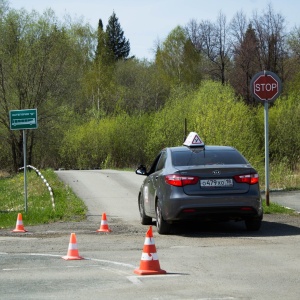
pixel 222 120
pixel 116 40
pixel 178 59
pixel 103 54
pixel 99 109
pixel 112 142
pixel 68 207
pixel 39 62
pixel 284 137
pixel 168 124
pixel 141 85
pixel 214 114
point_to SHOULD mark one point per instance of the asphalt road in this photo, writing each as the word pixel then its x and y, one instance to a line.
pixel 289 199
pixel 211 261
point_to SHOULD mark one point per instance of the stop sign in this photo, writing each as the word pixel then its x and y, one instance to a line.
pixel 265 86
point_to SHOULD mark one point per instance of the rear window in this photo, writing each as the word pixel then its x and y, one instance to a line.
pixel 207 157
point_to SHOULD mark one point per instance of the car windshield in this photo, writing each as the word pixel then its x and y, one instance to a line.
pixel 207 157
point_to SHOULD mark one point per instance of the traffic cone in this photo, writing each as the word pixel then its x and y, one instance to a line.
pixel 19 225
pixel 73 253
pixel 104 225
pixel 149 264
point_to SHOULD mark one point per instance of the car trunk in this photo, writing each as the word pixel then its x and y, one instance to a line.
pixel 216 179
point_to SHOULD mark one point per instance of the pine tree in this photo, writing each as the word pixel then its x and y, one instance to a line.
pixel 116 40
pixel 101 39
pixel 103 53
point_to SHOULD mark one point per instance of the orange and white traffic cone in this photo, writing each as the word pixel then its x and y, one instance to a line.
pixel 149 264
pixel 19 225
pixel 104 225
pixel 73 253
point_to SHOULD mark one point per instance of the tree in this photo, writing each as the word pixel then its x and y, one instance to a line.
pixel 178 59
pixel 141 85
pixel 116 40
pixel 246 64
pixel 40 67
pixel 269 28
pixel 212 40
pixel 292 63
pixel 101 40
pixel 99 87
pixel 104 54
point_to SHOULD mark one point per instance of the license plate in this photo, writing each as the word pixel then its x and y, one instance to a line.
pixel 216 183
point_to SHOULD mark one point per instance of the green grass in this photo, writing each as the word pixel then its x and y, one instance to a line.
pixel 68 207
pixel 275 208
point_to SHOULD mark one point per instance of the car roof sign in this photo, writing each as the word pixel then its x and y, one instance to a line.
pixel 193 140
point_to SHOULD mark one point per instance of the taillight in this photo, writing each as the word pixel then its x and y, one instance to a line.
pixel 249 178
pixel 178 180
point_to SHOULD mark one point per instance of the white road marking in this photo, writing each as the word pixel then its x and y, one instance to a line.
pixel 134 279
pixel 116 263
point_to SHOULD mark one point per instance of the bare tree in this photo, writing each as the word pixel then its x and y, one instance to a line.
pixel 246 63
pixel 238 27
pixel 270 31
pixel 213 41
pixel 258 46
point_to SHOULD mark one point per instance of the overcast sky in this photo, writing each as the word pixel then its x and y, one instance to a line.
pixel 144 22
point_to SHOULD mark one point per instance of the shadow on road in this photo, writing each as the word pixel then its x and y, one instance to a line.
pixel 234 229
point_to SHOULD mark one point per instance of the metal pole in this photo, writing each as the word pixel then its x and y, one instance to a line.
pixel 185 129
pixel 267 152
pixel 25 169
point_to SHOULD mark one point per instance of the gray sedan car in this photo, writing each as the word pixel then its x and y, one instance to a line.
pixel 199 182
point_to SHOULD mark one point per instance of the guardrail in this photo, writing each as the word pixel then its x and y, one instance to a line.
pixel 45 181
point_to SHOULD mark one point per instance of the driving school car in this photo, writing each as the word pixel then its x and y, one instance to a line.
pixel 199 182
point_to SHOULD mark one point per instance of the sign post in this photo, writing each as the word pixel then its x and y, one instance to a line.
pixel 21 120
pixel 265 86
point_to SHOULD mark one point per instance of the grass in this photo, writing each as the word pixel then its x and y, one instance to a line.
pixel 275 208
pixel 281 177
pixel 68 207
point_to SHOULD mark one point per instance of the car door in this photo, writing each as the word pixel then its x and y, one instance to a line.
pixel 153 183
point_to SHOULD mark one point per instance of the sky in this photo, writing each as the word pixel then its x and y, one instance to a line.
pixel 145 22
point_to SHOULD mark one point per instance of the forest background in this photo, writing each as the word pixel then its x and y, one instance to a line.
pixel 98 107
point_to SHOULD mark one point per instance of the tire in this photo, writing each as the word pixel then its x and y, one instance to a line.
pixel 253 224
pixel 144 219
pixel 162 226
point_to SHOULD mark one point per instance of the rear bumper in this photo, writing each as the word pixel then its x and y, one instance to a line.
pixel 219 213
pixel 234 207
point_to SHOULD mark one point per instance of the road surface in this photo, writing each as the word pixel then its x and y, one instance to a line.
pixel 212 261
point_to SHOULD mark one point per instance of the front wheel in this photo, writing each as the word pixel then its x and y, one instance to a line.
pixel 162 226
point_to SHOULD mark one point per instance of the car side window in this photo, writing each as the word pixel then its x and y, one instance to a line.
pixel 161 163
pixel 154 164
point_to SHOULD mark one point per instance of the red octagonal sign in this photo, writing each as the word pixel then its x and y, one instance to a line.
pixel 265 86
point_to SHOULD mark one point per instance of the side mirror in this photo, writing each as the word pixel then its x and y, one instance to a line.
pixel 141 170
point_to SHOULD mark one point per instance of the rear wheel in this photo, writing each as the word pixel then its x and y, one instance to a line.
pixel 253 224
pixel 162 226
pixel 145 220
